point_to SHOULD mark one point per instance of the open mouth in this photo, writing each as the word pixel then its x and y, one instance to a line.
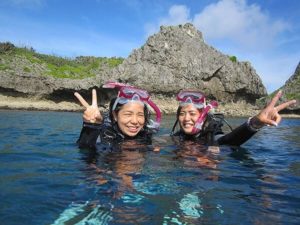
pixel 188 125
pixel 133 129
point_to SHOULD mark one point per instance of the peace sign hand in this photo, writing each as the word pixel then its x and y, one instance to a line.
pixel 270 114
pixel 92 113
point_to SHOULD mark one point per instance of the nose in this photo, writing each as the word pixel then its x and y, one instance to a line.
pixel 134 119
pixel 187 117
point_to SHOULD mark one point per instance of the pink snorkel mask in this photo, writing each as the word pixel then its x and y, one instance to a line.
pixel 198 100
pixel 130 93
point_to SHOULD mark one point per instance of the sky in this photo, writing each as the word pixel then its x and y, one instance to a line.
pixel 264 32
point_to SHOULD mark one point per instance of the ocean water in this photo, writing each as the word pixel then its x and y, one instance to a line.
pixel 46 179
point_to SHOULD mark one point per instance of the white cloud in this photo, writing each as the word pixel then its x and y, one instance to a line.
pixel 243 24
pixel 178 14
pixel 235 21
pixel 242 29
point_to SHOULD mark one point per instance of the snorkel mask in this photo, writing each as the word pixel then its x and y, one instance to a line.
pixel 129 93
pixel 198 100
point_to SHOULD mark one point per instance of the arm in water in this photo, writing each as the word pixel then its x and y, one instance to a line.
pixel 268 116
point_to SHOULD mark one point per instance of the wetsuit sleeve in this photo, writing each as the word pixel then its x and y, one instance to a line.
pixel 238 136
pixel 89 135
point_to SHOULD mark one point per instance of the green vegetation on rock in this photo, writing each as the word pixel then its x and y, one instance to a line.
pixel 290 96
pixel 27 69
pixel 58 67
pixel 4 67
pixel 233 58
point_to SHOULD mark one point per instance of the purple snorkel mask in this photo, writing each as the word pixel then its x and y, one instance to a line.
pixel 130 93
pixel 198 100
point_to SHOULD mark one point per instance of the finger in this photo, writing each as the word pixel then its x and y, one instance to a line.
pixel 278 119
pixel 94 98
pixel 275 99
pixel 271 122
pixel 81 100
pixel 89 119
pixel 285 105
pixel 98 116
pixel 86 118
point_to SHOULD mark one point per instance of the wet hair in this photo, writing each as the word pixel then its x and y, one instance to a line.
pixel 176 121
pixel 178 112
pixel 119 107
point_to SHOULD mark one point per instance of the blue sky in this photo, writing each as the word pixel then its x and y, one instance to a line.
pixel 266 32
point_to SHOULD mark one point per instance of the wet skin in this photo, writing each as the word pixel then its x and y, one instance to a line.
pixel 130 118
pixel 188 116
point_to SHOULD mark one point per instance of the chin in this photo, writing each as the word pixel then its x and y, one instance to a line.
pixel 189 131
pixel 131 134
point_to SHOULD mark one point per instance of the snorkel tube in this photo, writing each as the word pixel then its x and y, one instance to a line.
pixel 120 86
pixel 199 123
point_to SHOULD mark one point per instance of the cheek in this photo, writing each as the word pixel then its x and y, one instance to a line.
pixel 142 120
pixel 123 120
pixel 194 118
pixel 180 119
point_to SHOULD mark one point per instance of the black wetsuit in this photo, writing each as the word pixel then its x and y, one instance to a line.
pixel 108 133
pixel 212 132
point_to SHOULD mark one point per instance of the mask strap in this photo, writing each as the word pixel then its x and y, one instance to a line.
pixel 174 126
pixel 202 117
pixel 116 102
pixel 155 124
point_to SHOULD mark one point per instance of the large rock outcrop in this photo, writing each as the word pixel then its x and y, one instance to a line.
pixel 290 90
pixel 178 58
pixel 175 58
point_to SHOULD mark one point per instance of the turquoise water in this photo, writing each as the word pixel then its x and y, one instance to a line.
pixel 46 179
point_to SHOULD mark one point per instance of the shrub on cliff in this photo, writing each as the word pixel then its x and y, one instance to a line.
pixel 6 47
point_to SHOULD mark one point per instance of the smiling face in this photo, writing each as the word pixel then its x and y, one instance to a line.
pixel 187 117
pixel 130 118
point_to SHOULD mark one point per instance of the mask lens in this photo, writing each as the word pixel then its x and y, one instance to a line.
pixel 187 96
pixel 130 92
pixel 124 101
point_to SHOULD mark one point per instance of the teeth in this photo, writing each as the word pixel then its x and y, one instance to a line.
pixel 133 129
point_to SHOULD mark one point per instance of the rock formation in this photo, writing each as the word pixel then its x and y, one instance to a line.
pixel 291 87
pixel 175 58
pixel 290 90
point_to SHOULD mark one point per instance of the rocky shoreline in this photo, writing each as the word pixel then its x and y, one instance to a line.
pixel 167 105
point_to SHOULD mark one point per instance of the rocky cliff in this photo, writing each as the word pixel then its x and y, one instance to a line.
pixel 290 90
pixel 178 58
pixel 175 58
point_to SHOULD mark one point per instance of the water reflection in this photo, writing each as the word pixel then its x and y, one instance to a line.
pixel 197 154
pixel 190 183
pixel 112 171
pixel 47 178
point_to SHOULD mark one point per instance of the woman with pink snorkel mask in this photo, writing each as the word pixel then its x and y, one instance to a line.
pixel 129 117
pixel 198 123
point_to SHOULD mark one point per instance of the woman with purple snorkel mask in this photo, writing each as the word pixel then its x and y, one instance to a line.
pixel 128 117
pixel 197 123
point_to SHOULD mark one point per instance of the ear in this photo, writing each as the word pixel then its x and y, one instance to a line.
pixel 115 116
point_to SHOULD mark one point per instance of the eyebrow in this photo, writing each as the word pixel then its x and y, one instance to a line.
pixel 129 111
pixel 189 111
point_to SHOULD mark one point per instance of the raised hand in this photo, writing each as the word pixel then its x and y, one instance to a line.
pixel 91 113
pixel 270 114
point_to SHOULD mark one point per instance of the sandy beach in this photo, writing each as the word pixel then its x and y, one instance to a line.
pixel 167 106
